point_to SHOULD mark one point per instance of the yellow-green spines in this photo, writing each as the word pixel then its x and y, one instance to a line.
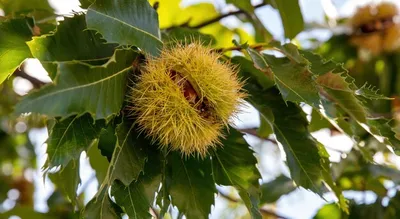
pixel 185 97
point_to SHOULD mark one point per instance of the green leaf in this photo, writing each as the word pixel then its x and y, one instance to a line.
pixel 393 208
pixel 68 187
pixel 127 22
pixel 261 34
pixel 25 212
pixel 302 152
pixel 341 89
pixel 338 85
pixel 191 185
pixel 242 4
pixel 273 190
pixel 196 14
pixel 132 199
pixel 330 211
pixel 126 165
pixel 265 129
pixel 221 34
pixel 318 122
pixel 13 49
pixel 252 203
pixel 235 165
pixel 69 137
pixel 86 3
pixel 291 74
pixel 320 66
pixel 163 198
pixel 5 186
pixel 381 129
pixel 247 68
pixel 291 16
pixel 300 147
pixel 98 162
pixel 362 179
pixel 367 211
pixel 256 57
pixel 338 89
pixel 20 6
pixel 108 140
pixel 294 81
pixel 138 197
pixel 83 88
pixel 72 41
pixel 369 92
pixel 326 173
pixel 129 155
pixel 290 51
pixel 172 14
pixel 101 207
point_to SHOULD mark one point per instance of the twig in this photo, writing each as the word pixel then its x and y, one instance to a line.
pixel 253 131
pixel 216 19
pixel 35 82
pixel 257 46
pixel 262 210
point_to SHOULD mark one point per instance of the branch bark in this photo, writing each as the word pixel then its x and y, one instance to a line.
pixel 258 47
pixel 35 82
pixel 216 19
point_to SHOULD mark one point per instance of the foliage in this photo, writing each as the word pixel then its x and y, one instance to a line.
pixel 94 58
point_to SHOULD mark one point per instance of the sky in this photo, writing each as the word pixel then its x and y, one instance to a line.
pixel 300 204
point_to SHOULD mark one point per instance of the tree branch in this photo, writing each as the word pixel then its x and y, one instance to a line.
pixel 35 82
pixel 258 47
pixel 216 19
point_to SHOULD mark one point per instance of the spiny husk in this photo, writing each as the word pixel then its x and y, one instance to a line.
pixel 378 43
pixel 373 12
pixel 385 38
pixel 184 97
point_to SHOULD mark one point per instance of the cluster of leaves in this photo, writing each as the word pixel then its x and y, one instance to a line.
pixel 91 58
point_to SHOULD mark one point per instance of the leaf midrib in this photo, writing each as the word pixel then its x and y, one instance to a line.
pixel 287 86
pixel 191 187
pixel 119 152
pixel 76 87
pixel 126 24
pixel 62 137
pixel 294 155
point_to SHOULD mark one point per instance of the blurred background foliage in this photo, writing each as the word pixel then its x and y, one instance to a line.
pixel 371 56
